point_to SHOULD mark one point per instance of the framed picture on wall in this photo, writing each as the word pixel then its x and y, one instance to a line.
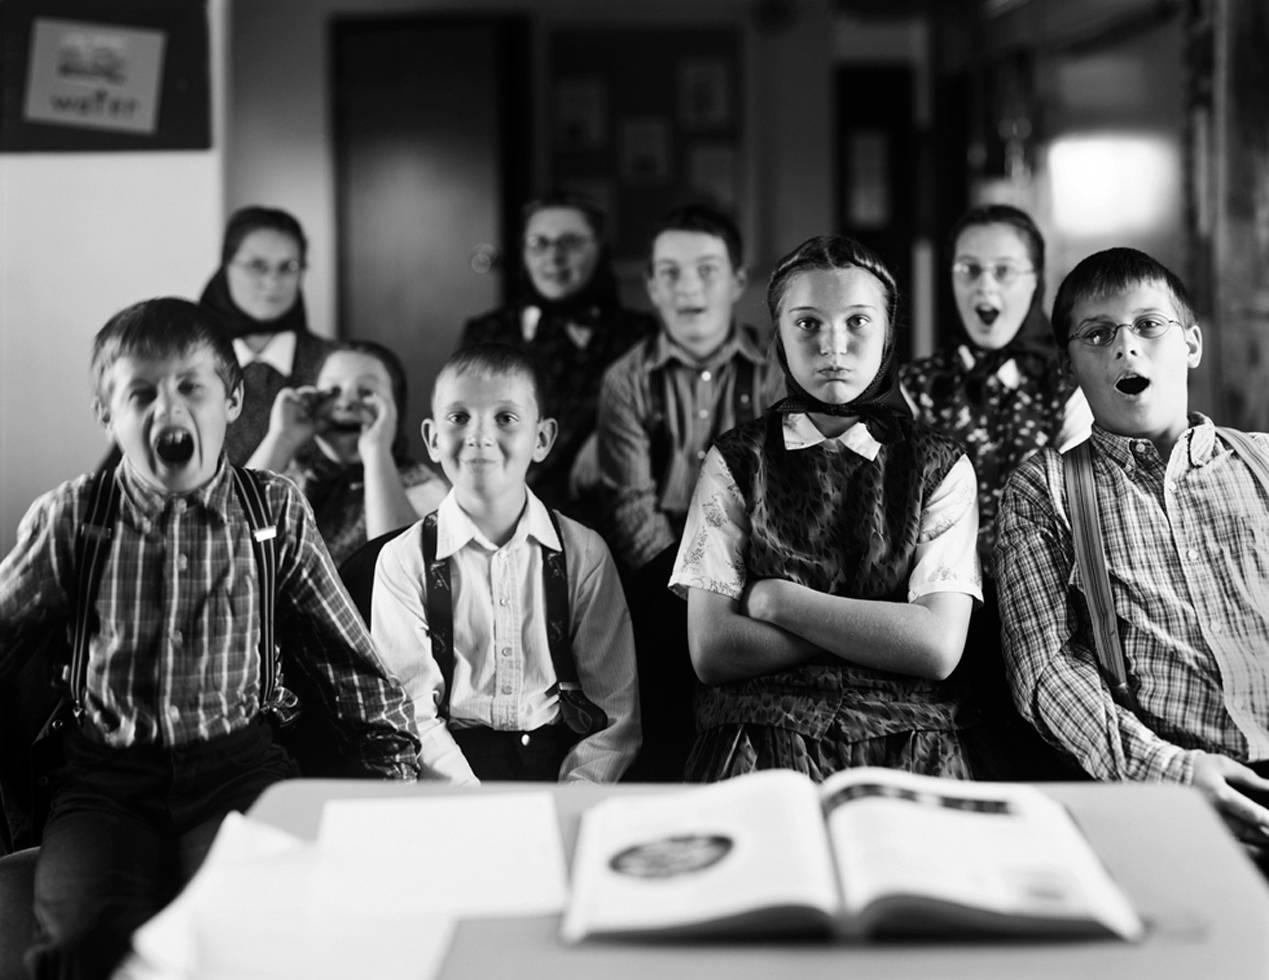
pixel 90 75
pixel 705 100
pixel 581 113
pixel 644 150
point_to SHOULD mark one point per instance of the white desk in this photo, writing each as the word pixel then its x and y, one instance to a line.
pixel 1206 905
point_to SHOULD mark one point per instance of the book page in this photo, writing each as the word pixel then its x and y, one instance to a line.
pixel 1006 850
pixel 749 851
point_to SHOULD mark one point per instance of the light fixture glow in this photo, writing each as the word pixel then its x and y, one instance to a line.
pixel 1114 185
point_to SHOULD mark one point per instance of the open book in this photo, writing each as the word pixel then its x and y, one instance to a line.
pixel 868 852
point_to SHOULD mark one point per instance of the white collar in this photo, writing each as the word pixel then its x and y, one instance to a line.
pixel 455 529
pixel 1007 374
pixel 278 353
pixel 801 433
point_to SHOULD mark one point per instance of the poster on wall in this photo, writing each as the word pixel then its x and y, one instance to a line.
pixel 93 75
pixel 87 75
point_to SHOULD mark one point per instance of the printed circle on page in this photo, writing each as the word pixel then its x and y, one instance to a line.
pixel 669 857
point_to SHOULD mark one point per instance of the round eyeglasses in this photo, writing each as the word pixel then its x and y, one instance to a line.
pixel 1102 333
pixel 1005 273
pixel 260 269
pixel 568 242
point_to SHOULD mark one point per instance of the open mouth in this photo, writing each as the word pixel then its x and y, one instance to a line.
pixel 1132 385
pixel 344 426
pixel 987 314
pixel 690 310
pixel 174 446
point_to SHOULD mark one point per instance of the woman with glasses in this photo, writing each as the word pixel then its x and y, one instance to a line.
pixel 1002 391
pixel 565 315
pixel 256 296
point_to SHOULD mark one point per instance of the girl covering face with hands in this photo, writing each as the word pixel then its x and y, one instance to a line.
pixel 342 441
pixel 829 559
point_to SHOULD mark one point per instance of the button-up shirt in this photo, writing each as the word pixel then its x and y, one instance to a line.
pixel 649 485
pixel 176 656
pixel 1187 550
pixel 502 660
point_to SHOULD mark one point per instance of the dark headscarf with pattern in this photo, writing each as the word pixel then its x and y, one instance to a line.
pixel 216 296
pixel 880 405
pixel 597 294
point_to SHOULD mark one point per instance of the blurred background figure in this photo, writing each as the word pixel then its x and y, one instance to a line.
pixel 1002 390
pixel 565 315
pixel 343 441
pixel 257 298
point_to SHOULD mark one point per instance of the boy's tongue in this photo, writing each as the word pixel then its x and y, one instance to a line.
pixel 174 446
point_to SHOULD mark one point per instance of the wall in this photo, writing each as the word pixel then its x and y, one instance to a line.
pixel 81 236
pixel 278 144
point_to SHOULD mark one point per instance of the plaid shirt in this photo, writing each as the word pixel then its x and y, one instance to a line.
pixel 176 657
pixel 649 496
pixel 1187 548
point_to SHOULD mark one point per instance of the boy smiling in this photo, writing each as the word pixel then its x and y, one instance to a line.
pixel 665 401
pixel 506 622
pixel 1184 519
pixel 170 730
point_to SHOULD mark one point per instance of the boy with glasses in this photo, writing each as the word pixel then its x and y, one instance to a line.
pixel 1183 513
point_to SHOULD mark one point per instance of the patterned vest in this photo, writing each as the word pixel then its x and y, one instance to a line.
pixel 836 522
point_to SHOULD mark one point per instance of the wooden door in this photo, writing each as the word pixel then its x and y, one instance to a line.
pixel 432 126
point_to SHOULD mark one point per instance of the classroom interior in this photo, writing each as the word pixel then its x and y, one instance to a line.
pixel 405 133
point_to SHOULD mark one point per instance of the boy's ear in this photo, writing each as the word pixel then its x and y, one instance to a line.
pixel 233 402
pixel 101 409
pixel 739 279
pixel 1194 345
pixel 429 432
pixel 548 429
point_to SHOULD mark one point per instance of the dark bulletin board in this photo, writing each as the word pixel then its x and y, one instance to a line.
pixel 92 75
pixel 643 119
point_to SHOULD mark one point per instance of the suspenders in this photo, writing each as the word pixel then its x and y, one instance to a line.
pixel 92 546
pixel 580 714
pixel 1090 553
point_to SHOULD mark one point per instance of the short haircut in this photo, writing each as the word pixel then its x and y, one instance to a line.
pixel 253 218
pixel 162 328
pixel 396 377
pixel 1111 271
pixel 494 360
pixel 707 221
pixel 557 198
pixel 832 252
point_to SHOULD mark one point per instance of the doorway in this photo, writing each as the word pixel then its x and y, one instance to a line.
pixel 432 128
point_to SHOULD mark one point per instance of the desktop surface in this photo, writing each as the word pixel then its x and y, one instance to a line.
pixel 1206 906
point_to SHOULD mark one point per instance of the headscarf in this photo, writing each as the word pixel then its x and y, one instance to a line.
pixel 1032 346
pixel 216 296
pixel 236 323
pixel 880 406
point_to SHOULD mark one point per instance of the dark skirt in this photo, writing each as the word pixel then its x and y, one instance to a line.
pixel 734 749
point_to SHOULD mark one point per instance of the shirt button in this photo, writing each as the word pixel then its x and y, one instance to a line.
pixel 504 601
pixel 173 712
pixel 1191 554
pixel 182 562
pixel 744 398
pixel 506 652
pixel 1216 627
pixel 178 506
pixel 703 413
pixel 175 637
pixel 706 375
pixel 506 689
pixel 700 454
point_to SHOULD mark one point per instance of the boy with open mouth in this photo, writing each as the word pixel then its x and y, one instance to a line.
pixel 173 692
pixel 1183 512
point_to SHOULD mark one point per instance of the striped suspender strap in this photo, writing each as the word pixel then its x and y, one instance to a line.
pixel 440 609
pixel 263 545
pixel 92 546
pixel 1090 558
pixel 555 587
pixel 1251 454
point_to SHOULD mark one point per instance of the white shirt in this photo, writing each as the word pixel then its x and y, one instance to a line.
pixel 716 533
pixel 502 662
pixel 278 353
